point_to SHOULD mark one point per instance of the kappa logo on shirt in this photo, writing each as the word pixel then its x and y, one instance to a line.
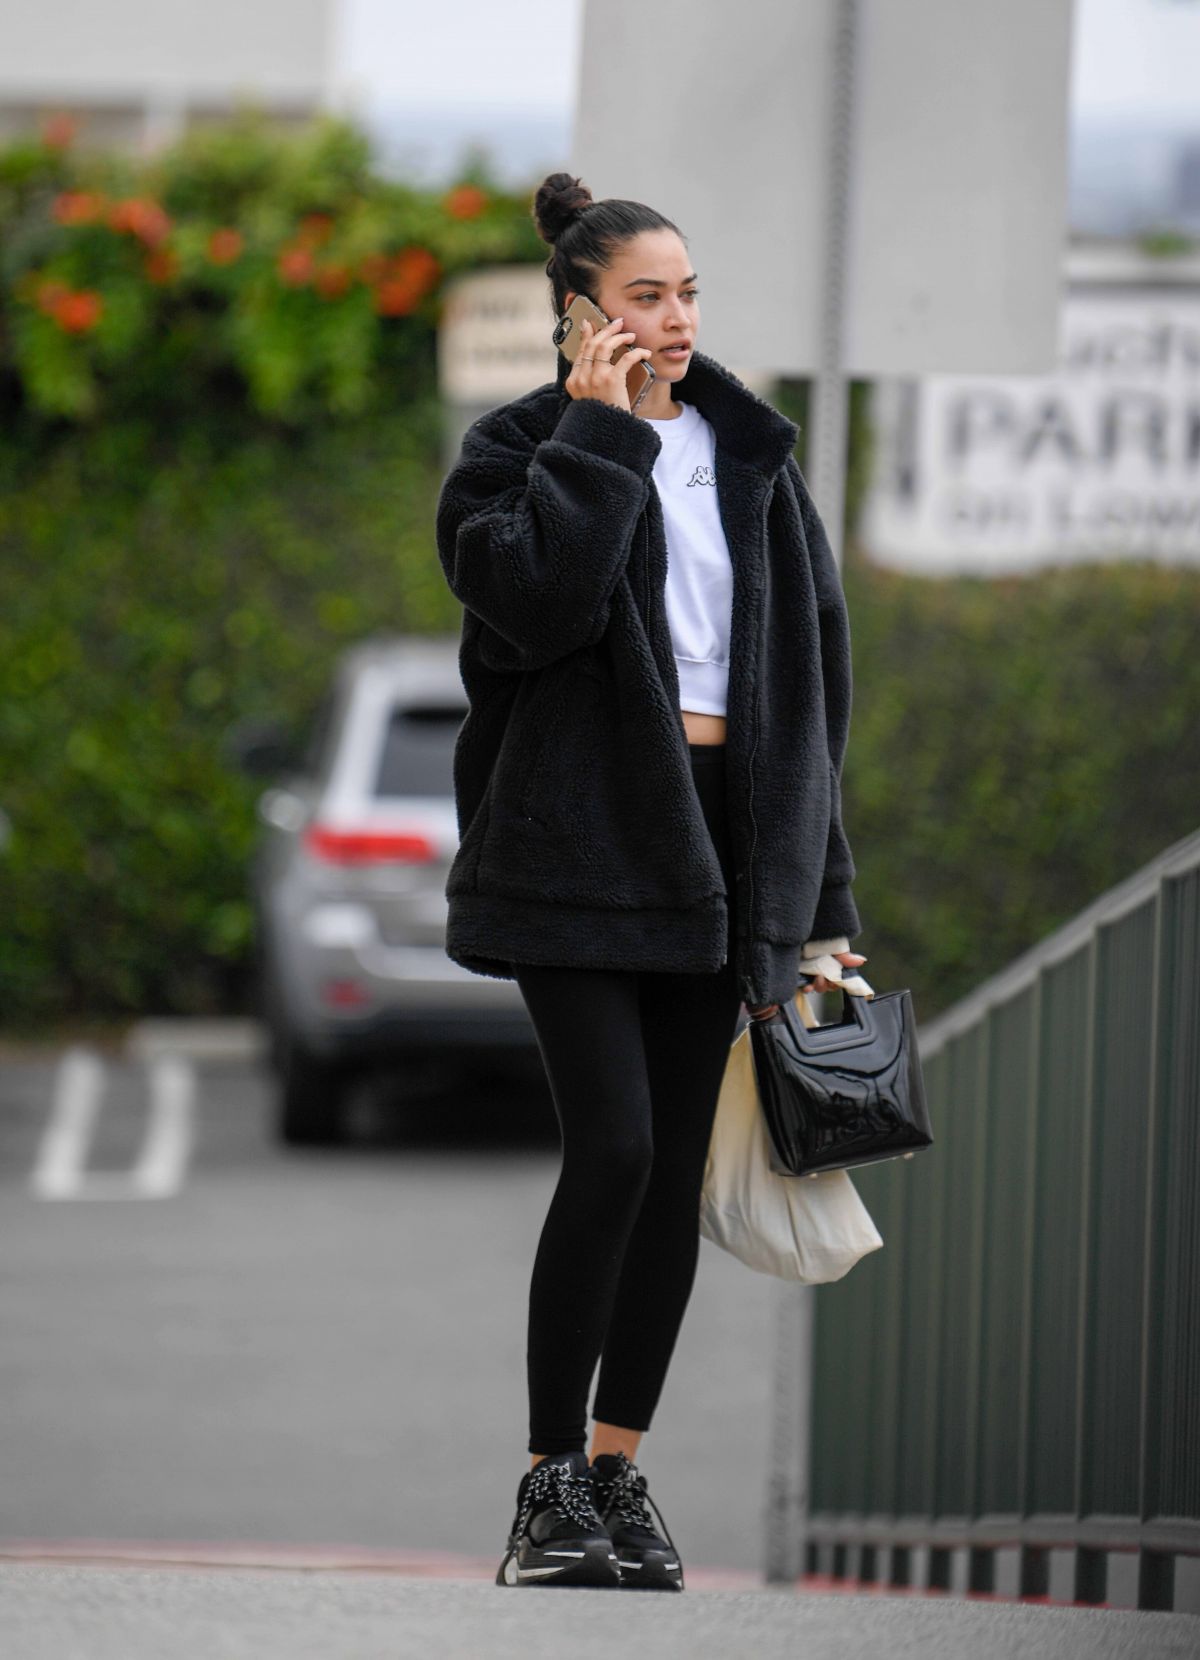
pixel 702 475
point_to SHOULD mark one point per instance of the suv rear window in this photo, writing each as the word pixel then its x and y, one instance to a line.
pixel 418 750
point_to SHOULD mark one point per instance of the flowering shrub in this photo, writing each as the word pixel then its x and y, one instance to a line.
pixel 219 462
pixel 285 262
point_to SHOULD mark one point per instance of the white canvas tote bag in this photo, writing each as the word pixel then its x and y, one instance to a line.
pixel 806 1228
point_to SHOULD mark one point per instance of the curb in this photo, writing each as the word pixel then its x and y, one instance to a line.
pixel 207 1555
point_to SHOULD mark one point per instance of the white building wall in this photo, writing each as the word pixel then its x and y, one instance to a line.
pixel 139 70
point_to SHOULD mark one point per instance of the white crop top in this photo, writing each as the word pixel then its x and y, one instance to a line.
pixel 699 592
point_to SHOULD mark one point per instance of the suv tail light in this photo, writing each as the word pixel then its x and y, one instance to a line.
pixel 369 847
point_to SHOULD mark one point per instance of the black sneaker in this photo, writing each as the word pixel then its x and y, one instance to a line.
pixel 557 1536
pixel 648 1561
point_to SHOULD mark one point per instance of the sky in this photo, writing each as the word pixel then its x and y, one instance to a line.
pixel 1135 59
pixel 513 55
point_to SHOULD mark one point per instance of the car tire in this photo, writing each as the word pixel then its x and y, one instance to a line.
pixel 312 1098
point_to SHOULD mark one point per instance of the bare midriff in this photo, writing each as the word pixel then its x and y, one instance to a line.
pixel 703 729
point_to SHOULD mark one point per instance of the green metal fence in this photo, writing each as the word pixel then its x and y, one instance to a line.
pixel 1020 1365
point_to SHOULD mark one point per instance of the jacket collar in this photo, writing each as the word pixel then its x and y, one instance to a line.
pixel 745 424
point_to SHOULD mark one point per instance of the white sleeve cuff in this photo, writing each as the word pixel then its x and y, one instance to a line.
pixel 818 948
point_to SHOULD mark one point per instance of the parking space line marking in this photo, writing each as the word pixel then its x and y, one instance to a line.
pixel 60 1170
pixel 63 1150
pixel 162 1165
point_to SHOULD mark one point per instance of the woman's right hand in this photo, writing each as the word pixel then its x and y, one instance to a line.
pixel 593 375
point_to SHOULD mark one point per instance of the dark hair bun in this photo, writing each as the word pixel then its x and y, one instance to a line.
pixel 559 201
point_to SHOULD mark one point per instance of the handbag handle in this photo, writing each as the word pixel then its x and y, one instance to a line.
pixel 804 1007
pixel 813 1038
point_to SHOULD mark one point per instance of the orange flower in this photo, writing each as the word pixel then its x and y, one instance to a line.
pixel 141 217
pixel 333 280
pixel 162 265
pixel 295 266
pixel 315 230
pixel 58 131
pixel 225 245
pixel 394 297
pixel 77 207
pixel 409 276
pixel 416 265
pixel 79 310
pixel 465 201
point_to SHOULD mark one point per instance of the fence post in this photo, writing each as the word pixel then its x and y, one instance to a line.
pixel 788 1472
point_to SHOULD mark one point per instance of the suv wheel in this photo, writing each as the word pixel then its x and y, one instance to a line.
pixel 312 1097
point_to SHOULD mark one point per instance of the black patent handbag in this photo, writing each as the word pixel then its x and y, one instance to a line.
pixel 847 1093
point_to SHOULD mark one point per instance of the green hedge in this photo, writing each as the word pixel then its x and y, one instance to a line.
pixel 195 536
pixel 145 605
pixel 1018 747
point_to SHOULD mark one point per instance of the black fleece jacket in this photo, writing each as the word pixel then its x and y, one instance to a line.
pixel 582 840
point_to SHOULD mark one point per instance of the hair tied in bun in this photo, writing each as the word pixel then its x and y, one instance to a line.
pixel 561 200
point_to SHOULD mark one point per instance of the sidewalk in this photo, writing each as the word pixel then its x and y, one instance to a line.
pixel 103 1612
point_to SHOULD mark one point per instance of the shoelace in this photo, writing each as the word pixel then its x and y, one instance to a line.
pixel 629 1497
pixel 570 1494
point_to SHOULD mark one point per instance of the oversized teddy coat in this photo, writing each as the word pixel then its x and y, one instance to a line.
pixel 582 841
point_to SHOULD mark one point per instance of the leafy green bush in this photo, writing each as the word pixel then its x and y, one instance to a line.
pixel 1018 746
pixel 145 605
pixel 219 458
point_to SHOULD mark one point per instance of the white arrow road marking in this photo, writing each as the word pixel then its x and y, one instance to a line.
pixel 60 1171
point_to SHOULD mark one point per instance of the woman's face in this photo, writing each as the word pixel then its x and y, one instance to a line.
pixel 651 285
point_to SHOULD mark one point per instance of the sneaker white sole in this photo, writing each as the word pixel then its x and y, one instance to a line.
pixel 651 1573
pixel 578 1567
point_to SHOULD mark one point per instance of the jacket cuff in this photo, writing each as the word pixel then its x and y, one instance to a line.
pixel 616 434
pixel 836 913
pixel 773 974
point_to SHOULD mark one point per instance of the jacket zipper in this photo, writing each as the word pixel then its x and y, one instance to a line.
pixel 754 748
pixel 646 572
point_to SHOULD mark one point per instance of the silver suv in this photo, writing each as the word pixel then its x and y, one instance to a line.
pixel 348 885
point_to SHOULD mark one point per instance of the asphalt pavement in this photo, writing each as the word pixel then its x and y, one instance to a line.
pixel 211 1339
pixel 78 1613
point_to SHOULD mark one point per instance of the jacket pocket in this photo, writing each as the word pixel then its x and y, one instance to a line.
pixel 558 739
pixel 532 730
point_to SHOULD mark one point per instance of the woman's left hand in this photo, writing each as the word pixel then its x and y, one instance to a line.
pixel 848 959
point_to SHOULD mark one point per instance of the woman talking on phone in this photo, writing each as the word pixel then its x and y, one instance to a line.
pixel 656 655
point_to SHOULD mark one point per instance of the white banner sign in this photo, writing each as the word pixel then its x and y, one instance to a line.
pixel 1100 460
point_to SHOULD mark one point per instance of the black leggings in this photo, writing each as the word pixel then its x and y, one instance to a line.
pixel 635 1062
